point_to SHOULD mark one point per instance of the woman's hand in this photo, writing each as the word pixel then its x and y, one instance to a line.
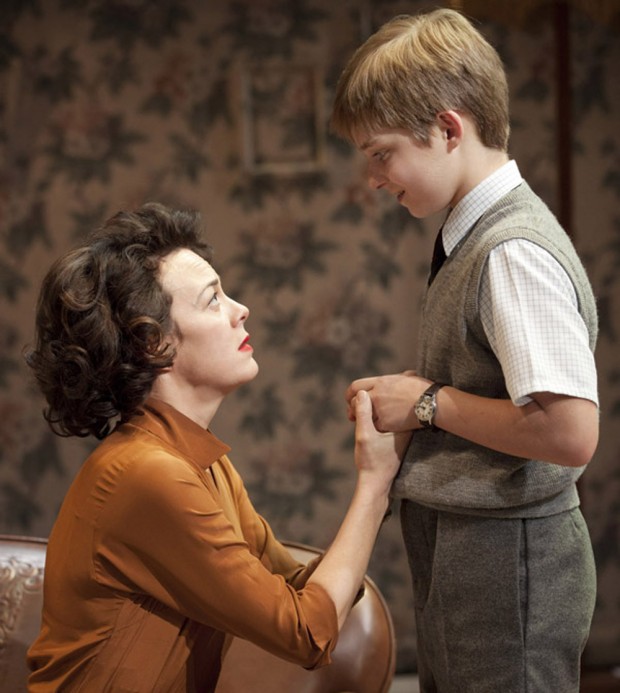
pixel 377 455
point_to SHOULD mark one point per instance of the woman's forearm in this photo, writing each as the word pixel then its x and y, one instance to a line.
pixel 344 564
pixel 377 457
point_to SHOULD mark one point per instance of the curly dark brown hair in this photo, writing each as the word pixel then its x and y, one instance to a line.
pixel 103 318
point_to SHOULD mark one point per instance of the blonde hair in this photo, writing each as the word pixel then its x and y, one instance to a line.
pixel 415 67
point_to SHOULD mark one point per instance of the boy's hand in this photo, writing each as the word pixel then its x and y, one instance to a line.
pixel 393 398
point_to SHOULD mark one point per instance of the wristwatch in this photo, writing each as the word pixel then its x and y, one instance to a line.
pixel 426 407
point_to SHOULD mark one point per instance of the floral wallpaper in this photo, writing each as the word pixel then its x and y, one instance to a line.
pixel 222 107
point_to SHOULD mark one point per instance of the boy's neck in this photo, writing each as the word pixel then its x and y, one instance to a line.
pixel 481 163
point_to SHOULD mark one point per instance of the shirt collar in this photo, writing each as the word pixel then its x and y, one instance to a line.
pixel 176 430
pixel 477 201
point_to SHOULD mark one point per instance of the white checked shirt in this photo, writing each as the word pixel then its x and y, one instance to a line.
pixel 528 305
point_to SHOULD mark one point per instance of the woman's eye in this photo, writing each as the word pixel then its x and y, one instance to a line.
pixel 215 299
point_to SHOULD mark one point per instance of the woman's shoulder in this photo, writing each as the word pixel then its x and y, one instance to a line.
pixel 136 456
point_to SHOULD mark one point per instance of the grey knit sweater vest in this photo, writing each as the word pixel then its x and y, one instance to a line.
pixel 445 471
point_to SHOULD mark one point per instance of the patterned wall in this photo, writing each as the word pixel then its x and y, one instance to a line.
pixel 221 106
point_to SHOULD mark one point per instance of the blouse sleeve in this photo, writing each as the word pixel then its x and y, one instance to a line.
pixel 164 532
pixel 261 539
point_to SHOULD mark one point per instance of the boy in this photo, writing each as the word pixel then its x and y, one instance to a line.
pixel 503 403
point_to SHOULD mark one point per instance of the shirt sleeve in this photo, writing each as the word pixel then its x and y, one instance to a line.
pixel 165 533
pixel 529 312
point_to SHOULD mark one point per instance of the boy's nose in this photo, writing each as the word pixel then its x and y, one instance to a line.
pixel 375 182
pixel 375 179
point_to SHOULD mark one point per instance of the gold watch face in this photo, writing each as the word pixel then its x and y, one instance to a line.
pixel 425 408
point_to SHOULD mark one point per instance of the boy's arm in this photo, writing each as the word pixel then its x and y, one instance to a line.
pixel 553 428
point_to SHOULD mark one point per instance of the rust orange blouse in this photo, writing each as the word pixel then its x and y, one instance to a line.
pixel 156 556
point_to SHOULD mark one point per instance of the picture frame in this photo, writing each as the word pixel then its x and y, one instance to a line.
pixel 283 118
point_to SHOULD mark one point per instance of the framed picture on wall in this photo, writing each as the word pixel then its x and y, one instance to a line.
pixel 283 126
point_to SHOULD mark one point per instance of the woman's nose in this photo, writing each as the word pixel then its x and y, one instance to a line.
pixel 240 312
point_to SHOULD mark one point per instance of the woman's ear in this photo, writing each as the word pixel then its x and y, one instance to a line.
pixel 451 126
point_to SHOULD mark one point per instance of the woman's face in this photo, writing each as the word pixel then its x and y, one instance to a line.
pixel 213 352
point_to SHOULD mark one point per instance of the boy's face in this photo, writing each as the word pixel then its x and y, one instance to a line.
pixel 422 177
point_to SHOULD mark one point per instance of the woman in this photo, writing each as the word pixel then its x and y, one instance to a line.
pixel 157 554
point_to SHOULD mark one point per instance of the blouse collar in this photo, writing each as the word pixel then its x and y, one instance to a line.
pixel 176 430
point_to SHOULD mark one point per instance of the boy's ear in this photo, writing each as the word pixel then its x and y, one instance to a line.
pixel 451 126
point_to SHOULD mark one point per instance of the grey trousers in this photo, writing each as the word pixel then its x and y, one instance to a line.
pixel 501 605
